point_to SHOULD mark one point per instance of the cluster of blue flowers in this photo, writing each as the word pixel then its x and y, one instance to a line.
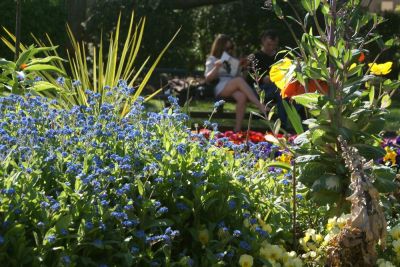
pixel 88 181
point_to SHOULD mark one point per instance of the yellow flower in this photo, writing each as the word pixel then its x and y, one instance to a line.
pixel 342 220
pixel 318 238
pixel 390 156
pixel 246 260
pixel 294 263
pixel 278 73
pixel 272 252
pixel 395 232
pixel 286 158
pixel 381 69
pixel 331 223
pixel 203 236
pixel 383 263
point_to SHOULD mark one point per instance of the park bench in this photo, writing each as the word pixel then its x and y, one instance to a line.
pixel 189 86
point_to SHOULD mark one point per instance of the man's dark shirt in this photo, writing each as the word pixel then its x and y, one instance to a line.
pixel 263 64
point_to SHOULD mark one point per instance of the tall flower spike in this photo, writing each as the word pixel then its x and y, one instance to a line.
pixel 355 244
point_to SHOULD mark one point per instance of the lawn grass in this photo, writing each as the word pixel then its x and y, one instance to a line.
pixel 208 106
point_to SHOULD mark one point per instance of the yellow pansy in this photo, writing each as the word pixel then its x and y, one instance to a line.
pixel 342 220
pixel 278 73
pixel 381 69
pixel 286 158
pixel 390 156
pixel 331 223
pixel 272 252
pixel 246 260
pixel 318 238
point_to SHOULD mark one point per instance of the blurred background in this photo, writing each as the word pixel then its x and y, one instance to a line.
pixel 200 21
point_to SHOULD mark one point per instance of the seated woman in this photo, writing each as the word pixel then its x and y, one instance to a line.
pixel 229 84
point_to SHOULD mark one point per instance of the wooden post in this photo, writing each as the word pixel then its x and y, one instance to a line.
pixel 17 29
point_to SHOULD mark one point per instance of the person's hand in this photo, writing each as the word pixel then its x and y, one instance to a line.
pixel 244 62
pixel 218 63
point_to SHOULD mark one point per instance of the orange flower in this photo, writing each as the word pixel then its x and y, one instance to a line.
pixel 295 88
pixel 23 66
pixel 361 58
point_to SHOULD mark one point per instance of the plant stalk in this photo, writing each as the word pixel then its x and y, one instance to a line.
pixel 294 206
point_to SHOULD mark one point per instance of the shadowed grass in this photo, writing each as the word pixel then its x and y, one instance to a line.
pixel 392 118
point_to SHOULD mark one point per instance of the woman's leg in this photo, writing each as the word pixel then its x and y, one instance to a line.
pixel 241 101
pixel 239 84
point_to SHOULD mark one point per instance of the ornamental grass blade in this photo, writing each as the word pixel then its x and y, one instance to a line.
pixel 147 76
pixel 293 117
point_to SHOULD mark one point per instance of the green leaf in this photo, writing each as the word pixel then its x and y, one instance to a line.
pixel 370 152
pixel 384 179
pixel 324 197
pixel 159 223
pixel 279 164
pixel 308 100
pixel 389 43
pixel 63 222
pixel 371 95
pixel 334 52
pixel 277 126
pixel 320 45
pixel 6 63
pixel 44 67
pixel 43 86
pixel 374 126
pixel 307 158
pixel 310 172
pixel 293 117
pixel 44 60
pixel 328 182
pixel 302 139
pixel 140 186
pixel 307 5
pixel 386 101
pixel 277 9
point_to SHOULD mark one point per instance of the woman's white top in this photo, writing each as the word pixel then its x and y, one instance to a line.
pixel 223 75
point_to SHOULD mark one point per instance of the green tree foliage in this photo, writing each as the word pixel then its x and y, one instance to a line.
pixel 38 17
pixel 243 20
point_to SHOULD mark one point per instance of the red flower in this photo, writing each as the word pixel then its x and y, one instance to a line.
pixel 23 66
pixel 295 88
pixel 205 133
pixel 361 58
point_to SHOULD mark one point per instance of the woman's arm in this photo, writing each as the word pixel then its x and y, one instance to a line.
pixel 213 73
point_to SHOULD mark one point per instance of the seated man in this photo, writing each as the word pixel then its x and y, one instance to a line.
pixel 260 66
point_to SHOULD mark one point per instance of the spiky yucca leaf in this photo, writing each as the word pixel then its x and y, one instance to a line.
pixel 104 71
